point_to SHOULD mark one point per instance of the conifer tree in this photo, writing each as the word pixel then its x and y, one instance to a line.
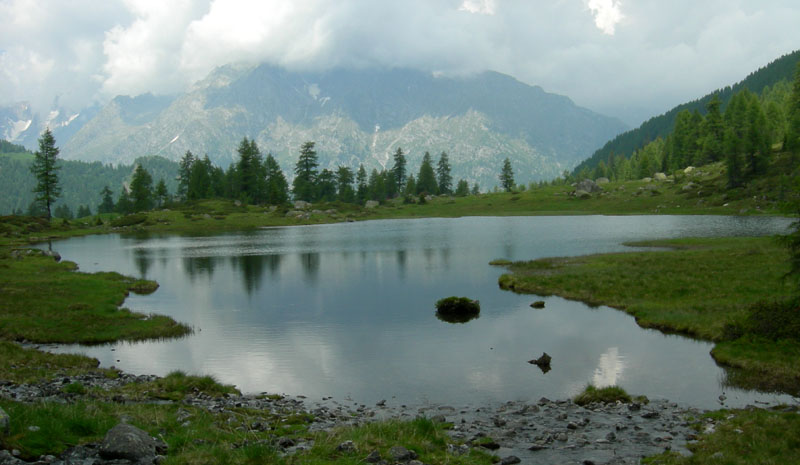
pixel 250 170
pixel 443 178
pixel 162 194
pixel 184 174
pixel 344 184
pixel 45 168
pixel 107 202
pixel 276 185
pixel 426 179
pixel 304 184
pixel 399 169
pixel 362 186
pixel 141 190
pixel 793 130
pixel 507 176
pixel 713 133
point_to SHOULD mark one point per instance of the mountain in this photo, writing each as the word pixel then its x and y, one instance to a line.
pixel 354 116
pixel 20 124
pixel 660 126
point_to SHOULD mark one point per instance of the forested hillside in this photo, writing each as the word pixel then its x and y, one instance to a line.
pixel 777 74
pixel 81 182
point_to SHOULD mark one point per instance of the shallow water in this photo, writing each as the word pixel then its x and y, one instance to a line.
pixel 347 310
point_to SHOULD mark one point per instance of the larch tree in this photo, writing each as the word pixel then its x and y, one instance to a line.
pixel 426 179
pixel 45 168
pixel 305 180
pixel 443 177
pixel 507 176
pixel 399 169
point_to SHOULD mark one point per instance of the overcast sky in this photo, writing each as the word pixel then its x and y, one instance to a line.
pixel 627 58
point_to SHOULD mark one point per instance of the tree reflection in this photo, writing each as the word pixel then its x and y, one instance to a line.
pixel 198 266
pixel 142 260
pixel 310 261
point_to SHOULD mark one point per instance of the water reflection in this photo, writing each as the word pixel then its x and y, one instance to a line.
pixel 347 310
pixel 609 369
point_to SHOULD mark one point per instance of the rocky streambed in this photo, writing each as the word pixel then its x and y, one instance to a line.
pixel 544 431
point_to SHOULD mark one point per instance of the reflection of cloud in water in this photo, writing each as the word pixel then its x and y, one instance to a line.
pixel 609 369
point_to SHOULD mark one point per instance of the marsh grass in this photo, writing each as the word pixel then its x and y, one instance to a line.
pixel 604 395
pixel 702 289
pixel 177 385
pixel 21 365
pixel 44 301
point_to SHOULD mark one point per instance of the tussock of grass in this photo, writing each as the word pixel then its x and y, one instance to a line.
pixel 605 395
pixel 176 385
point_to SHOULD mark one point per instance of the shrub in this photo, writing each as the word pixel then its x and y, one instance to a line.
pixel 606 395
pixel 458 307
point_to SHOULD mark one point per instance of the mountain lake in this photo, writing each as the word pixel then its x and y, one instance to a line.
pixel 347 310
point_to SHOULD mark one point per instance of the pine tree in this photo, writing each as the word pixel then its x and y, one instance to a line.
pixel 344 184
pixel 45 168
pixel 462 188
pixel 507 176
pixel 426 179
pixel 184 174
pixel 250 171
pixel 276 185
pixel 399 169
pixel 199 179
pixel 411 186
pixel 443 177
pixel 793 130
pixel 162 194
pixel 304 184
pixel 83 211
pixel 713 133
pixel 141 189
pixel 326 185
pixel 107 202
pixel 362 186
pixel 124 205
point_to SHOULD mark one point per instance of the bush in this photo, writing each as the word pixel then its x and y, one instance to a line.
pixel 458 307
pixel 774 320
pixel 606 395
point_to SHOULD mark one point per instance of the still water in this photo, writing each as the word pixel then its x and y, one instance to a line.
pixel 347 310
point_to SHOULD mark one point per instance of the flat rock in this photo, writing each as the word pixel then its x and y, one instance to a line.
pixel 128 442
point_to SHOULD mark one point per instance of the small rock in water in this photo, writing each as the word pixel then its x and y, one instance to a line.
pixel 510 460
pixel 538 304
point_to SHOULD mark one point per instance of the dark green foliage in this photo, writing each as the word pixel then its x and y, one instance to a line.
pixel 83 211
pixel 344 184
pixel 793 130
pixel 411 186
pixel 774 320
pixel 476 189
pixel 660 126
pixel 251 172
pixel 63 211
pixel 462 188
pixel 443 177
pixel 8 147
pixel 184 174
pixel 124 204
pixel 606 395
pixel 326 186
pixel 458 307
pixel 362 185
pixel 45 169
pixel 141 190
pixel 277 189
pixel 713 133
pixel 107 202
pixel 507 176
pixel 304 184
pixel 399 169
pixel 161 193
pixel 377 185
pixel 426 179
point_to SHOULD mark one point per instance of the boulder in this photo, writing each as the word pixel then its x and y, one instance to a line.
pixel 582 194
pixel 647 179
pixel 542 362
pixel 127 442
pixel 401 454
pixel 689 186
pixel 371 204
pixel 457 309
pixel 688 169
pixel 588 185
pixel 538 304
pixel 660 177
pixel 602 181
pixel 301 204
pixel 237 203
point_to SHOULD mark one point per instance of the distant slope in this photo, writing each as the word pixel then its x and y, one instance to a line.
pixel 81 182
pixel 354 116
pixel 660 126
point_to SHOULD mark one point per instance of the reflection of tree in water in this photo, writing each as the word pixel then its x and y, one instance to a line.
pixel 199 266
pixel 142 260
pixel 402 256
pixel 252 268
pixel 310 264
pixel 756 381
pixel 444 252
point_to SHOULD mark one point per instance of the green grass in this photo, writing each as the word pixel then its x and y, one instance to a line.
pixel 605 395
pixel 177 385
pixel 197 436
pixel 45 301
pixel 20 365
pixel 743 437
pixel 701 289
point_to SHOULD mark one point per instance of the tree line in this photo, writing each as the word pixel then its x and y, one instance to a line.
pixel 742 136
pixel 258 179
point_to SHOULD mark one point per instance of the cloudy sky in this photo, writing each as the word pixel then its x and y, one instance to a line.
pixel 627 58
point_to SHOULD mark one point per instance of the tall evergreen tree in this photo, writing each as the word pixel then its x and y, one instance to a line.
pixel 184 174
pixel 713 133
pixel 399 170
pixel 45 168
pixel 462 188
pixel 443 177
pixel 793 130
pixel 507 176
pixel 326 185
pixel 250 170
pixel 276 185
pixel 199 179
pixel 124 205
pixel 162 194
pixel 758 147
pixel 106 202
pixel 141 189
pixel 362 185
pixel 344 184
pixel 305 180
pixel 426 179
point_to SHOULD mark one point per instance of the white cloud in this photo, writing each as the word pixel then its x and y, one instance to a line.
pixel 666 53
pixel 607 14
